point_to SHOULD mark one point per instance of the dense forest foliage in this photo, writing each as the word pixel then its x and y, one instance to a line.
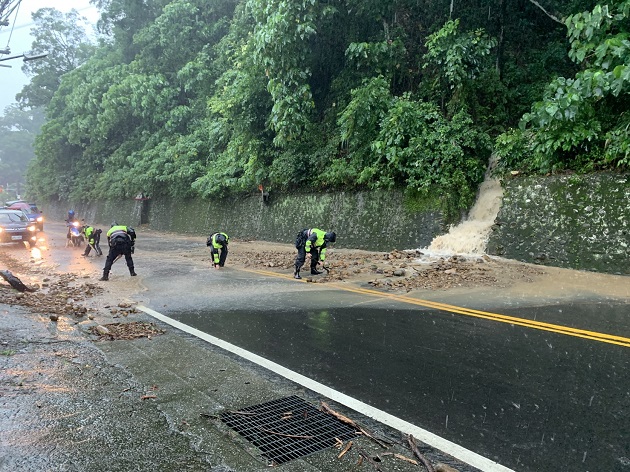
pixel 213 98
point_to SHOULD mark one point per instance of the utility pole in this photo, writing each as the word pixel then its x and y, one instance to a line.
pixel 7 7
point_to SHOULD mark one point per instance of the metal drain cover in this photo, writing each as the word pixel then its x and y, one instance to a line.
pixel 287 428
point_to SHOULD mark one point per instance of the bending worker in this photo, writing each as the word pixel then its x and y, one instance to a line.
pixel 122 240
pixel 218 242
pixel 93 238
pixel 312 241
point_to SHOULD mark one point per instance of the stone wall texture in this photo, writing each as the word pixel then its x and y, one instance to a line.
pixel 377 221
pixel 577 222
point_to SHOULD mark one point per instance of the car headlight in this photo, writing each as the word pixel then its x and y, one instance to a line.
pixel 1 230
pixel 32 228
pixel 40 219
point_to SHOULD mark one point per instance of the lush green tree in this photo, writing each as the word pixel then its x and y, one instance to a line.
pixel 63 37
pixel 583 122
pixel 402 142
pixel 18 129
pixel 455 60
pixel 187 97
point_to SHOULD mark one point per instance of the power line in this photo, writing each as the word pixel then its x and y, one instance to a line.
pixel 26 25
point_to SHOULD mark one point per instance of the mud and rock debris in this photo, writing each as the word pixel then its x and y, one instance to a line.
pixel 131 330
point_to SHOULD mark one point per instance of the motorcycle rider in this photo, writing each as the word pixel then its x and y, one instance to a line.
pixel 93 238
pixel 312 241
pixel 70 220
pixel 71 217
pixel 122 240
pixel 218 242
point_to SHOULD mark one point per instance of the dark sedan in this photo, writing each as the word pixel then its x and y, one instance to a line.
pixel 34 214
pixel 16 228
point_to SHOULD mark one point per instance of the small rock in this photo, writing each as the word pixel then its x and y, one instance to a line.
pixel 399 272
pixel 53 317
pixel 102 330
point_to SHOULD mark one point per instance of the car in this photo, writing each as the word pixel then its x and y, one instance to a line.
pixel 34 214
pixel 16 228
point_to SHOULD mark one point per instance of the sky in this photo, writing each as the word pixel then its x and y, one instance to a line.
pixel 13 79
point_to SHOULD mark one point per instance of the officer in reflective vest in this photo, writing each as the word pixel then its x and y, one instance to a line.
pixel 93 238
pixel 218 242
pixel 312 241
pixel 122 240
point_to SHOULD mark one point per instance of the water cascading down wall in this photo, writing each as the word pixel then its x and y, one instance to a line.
pixel 577 222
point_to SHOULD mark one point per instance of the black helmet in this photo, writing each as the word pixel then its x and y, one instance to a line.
pixel 330 237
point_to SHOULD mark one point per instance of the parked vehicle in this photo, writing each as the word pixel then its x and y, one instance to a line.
pixel 34 214
pixel 16 228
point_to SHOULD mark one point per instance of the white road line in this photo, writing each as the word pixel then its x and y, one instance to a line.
pixel 426 437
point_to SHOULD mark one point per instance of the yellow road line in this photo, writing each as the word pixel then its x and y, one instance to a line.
pixel 540 325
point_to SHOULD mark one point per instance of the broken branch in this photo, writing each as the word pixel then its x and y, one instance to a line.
pixel 345 449
pixel 16 283
pixel 285 435
pixel 244 413
pixel 401 457
pixel 344 419
pixel 414 447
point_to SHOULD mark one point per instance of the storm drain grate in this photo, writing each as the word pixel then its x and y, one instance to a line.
pixel 287 428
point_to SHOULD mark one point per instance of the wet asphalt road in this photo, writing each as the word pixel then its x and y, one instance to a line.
pixel 530 399
pixel 533 400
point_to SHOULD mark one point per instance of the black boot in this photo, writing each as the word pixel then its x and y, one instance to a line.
pixel 315 272
pixel 296 274
pixel 132 272
pixel 105 275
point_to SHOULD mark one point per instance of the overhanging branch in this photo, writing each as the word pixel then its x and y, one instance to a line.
pixel 554 18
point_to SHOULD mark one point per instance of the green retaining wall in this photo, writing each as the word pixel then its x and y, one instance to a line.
pixel 578 222
pixel 377 220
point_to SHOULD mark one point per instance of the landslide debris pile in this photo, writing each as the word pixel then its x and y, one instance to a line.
pixel 131 330
pixel 396 270
pixel 53 294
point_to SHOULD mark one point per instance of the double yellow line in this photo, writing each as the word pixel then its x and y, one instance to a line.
pixel 559 329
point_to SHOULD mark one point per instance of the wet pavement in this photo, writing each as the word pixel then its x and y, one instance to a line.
pixel 531 397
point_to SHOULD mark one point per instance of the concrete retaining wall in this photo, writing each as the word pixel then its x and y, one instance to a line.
pixel 578 222
pixel 377 221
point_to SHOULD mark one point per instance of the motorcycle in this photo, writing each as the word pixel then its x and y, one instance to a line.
pixel 74 237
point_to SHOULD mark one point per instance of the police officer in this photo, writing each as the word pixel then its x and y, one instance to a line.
pixel 93 238
pixel 312 241
pixel 218 242
pixel 122 240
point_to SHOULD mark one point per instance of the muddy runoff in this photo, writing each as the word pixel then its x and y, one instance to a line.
pixel 90 383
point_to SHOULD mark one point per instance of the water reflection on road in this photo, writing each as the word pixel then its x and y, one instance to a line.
pixel 529 399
